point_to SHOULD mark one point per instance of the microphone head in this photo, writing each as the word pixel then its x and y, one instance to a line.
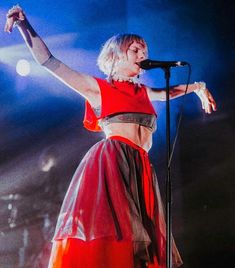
pixel 145 64
pixel 150 64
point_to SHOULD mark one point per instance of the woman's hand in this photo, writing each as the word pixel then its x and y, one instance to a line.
pixel 14 15
pixel 207 100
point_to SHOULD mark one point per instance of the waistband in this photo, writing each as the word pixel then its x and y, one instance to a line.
pixel 129 142
pixel 147 120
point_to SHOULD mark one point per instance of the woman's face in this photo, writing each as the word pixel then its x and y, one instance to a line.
pixel 127 64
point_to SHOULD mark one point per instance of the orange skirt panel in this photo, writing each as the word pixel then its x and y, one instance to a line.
pixel 75 253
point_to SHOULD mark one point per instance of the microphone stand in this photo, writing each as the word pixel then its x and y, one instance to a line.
pixel 165 66
pixel 168 178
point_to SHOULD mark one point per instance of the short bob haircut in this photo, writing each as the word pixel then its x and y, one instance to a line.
pixel 114 47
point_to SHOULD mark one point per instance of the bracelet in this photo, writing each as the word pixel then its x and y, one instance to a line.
pixel 200 87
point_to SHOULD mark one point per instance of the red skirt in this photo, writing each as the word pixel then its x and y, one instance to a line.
pixel 112 214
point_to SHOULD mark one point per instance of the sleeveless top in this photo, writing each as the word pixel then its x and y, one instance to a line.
pixel 120 102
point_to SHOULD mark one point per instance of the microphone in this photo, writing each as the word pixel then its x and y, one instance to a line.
pixel 151 64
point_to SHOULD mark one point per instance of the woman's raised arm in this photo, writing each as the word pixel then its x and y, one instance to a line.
pixel 84 84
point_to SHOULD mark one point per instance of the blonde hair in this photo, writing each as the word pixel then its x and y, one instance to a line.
pixel 115 47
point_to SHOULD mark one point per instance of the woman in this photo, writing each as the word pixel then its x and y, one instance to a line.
pixel 112 214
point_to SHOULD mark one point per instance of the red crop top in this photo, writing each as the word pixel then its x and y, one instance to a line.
pixel 118 98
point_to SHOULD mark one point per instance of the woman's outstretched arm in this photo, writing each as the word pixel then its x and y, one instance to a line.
pixel 84 84
pixel 199 88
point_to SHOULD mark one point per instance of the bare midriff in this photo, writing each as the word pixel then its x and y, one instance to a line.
pixel 140 135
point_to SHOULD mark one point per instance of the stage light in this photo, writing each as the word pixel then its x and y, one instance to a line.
pixel 23 67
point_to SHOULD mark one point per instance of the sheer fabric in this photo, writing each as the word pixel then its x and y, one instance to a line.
pixel 114 199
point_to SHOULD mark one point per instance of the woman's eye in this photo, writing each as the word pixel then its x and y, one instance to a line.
pixel 134 50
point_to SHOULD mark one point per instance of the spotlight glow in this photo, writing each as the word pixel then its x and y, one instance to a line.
pixel 23 67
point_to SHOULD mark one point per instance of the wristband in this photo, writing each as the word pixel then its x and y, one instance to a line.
pixel 200 87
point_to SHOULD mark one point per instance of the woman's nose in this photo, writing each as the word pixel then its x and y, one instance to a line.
pixel 142 55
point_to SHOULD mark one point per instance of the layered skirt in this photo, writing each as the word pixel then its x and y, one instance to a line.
pixel 112 214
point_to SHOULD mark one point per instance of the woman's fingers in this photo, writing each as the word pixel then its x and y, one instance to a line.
pixel 9 25
pixel 208 102
pixel 13 15
pixel 213 103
